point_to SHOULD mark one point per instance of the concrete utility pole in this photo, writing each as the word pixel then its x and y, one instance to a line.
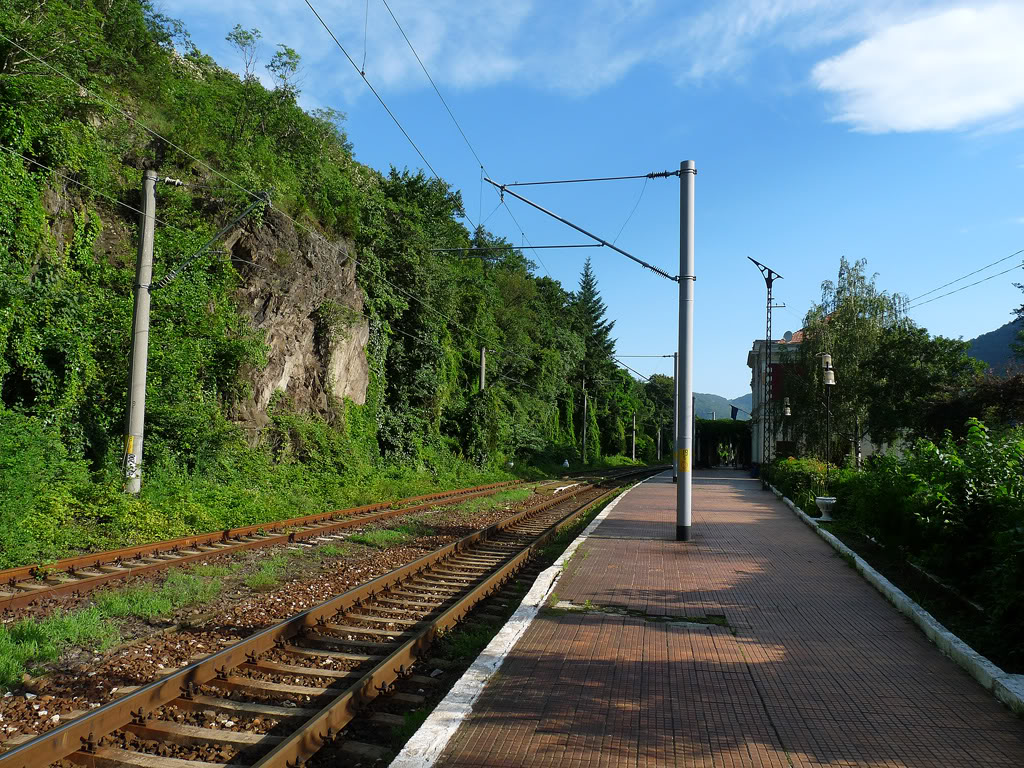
pixel 684 388
pixel 483 368
pixel 634 437
pixel 135 418
pixel 675 416
pixel 659 443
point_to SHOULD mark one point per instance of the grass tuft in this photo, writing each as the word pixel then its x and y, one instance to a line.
pixel 32 641
pixel 394 536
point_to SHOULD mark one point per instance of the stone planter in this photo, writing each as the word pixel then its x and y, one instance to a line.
pixel 825 505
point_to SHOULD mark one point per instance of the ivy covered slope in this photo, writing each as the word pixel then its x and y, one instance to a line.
pixel 325 356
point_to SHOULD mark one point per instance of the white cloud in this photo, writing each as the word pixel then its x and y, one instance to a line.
pixel 959 68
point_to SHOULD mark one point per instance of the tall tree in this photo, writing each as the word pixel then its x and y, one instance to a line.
pixel 591 324
pixel 849 324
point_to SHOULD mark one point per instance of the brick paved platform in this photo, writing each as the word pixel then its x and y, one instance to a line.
pixel 811 667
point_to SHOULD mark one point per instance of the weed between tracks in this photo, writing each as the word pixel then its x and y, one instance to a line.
pixel 393 536
pixel 29 641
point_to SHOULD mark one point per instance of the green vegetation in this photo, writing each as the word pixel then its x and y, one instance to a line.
pixel 334 550
pixel 413 720
pixel 393 536
pixel 514 496
pixel 181 588
pixel 268 575
pixel 31 641
pixel 955 507
pixel 67 256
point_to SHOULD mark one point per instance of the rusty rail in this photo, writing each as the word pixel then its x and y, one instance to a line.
pixel 80 738
pixel 78 574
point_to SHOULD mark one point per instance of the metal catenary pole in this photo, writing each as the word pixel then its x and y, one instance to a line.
pixel 684 435
pixel 135 418
pixel 634 437
pixel 675 416
pixel 584 421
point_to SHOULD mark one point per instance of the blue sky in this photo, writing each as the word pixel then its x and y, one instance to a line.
pixel 888 131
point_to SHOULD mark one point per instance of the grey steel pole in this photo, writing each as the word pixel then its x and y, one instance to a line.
pixel 684 491
pixel 483 368
pixel 634 437
pixel 135 418
pixel 675 416
pixel 584 421
pixel 659 443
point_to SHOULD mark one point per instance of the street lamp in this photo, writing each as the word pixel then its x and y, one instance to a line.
pixel 828 375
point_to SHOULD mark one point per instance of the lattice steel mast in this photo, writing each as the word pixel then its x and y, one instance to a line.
pixel 767 425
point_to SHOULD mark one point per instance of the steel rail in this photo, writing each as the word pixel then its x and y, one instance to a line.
pixel 66 577
pixel 85 731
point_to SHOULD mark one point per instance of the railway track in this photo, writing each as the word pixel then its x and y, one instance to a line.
pixel 30 584
pixel 278 696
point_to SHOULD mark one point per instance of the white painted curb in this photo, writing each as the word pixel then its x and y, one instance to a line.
pixel 426 745
pixel 1009 689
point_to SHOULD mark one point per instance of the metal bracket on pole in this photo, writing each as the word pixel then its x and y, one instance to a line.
pixel 163 282
pixel 592 236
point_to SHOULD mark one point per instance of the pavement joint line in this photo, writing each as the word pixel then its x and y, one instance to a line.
pixel 1007 688
pixel 429 741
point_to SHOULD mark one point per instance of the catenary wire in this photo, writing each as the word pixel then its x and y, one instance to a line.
pixel 635 206
pixel 969 274
pixel 465 138
pixel 91 189
pixel 150 131
pixel 379 98
pixel 651 175
pixel 964 287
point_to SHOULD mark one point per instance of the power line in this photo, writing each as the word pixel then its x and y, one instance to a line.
pixel 651 175
pixel 465 138
pixel 969 274
pixel 434 85
pixel 515 247
pixel 91 189
pixel 965 287
pixel 156 135
pixel 641 262
pixel 635 206
pixel 373 90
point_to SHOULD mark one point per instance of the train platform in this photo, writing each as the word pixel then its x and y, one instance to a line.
pixel 752 645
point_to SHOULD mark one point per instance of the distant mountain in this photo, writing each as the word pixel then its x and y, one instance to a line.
pixel 744 402
pixel 993 348
pixel 708 406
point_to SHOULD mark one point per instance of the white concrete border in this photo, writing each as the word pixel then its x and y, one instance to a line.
pixel 426 745
pixel 1009 689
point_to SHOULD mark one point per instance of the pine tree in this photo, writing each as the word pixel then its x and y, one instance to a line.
pixel 591 324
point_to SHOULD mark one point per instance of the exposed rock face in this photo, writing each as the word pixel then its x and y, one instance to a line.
pixel 301 291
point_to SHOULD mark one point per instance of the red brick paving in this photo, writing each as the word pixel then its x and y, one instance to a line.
pixel 821 669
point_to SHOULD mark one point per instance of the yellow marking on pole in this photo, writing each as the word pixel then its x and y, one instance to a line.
pixel 129 444
pixel 683 459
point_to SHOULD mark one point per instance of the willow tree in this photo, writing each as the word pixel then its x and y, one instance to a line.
pixel 849 323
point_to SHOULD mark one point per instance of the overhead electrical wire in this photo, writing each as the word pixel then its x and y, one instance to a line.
pixel 465 138
pixel 969 274
pixel 155 134
pixel 651 175
pixel 373 90
pixel 235 184
pixel 964 287
pixel 91 189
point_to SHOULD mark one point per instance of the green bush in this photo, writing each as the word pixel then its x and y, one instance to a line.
pixel 955 507
pixel 803 479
